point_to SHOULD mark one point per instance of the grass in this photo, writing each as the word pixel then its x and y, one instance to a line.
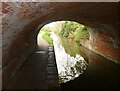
pixel 45 32
pixel 47 38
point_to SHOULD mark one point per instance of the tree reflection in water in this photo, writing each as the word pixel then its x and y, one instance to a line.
pixel 72 70
pixel 69 67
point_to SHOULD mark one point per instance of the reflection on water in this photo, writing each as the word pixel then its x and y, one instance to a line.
pixel 68 67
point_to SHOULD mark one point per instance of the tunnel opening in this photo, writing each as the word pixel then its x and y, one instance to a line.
pixel 64 39
pixel 19 41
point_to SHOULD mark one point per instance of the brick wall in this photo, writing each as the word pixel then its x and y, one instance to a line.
pixel 21 19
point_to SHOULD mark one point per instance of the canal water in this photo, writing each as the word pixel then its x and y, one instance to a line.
pixel 70 63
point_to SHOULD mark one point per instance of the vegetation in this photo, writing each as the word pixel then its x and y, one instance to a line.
pixel 71 47
pixel 74 30
pixel 71 34
pixel 45 32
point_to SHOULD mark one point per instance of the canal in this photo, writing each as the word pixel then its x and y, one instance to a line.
pixel 69 64
pixel 80 68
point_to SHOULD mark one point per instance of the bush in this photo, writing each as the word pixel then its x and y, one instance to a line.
pixel 79 31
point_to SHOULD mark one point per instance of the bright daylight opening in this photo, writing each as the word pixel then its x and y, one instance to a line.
pixel 66 37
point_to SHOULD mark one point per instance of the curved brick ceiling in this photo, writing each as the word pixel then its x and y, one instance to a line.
pixel 21 19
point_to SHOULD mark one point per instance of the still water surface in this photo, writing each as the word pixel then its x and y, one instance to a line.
pixel 69 67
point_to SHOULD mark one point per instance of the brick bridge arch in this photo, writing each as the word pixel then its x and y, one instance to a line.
pixel 21 20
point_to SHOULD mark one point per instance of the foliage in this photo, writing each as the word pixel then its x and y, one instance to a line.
pixel 67 27
pixel 47 38
pixel 45 32
pixel 71 47
pixel 75 29
pixel 81 34
pixel 71 35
